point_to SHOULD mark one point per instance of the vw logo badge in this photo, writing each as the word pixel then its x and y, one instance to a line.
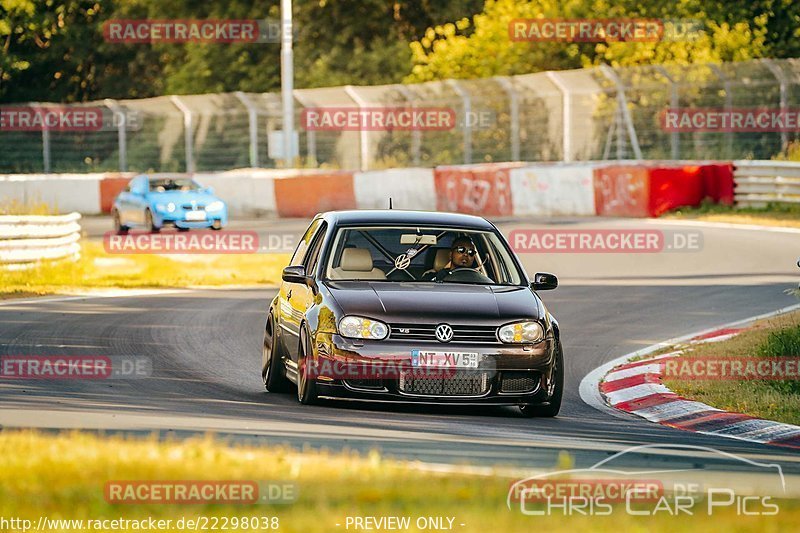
pixel 444 333
pixel 402 261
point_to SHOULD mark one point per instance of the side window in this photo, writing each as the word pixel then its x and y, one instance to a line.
pixel 313 252
pixel 305 242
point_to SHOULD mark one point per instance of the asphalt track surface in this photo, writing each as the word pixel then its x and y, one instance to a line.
pixel 205 347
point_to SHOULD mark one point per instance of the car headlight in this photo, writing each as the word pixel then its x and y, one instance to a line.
pixel 216 205
pixel 521 332
pixel 357 327
pixel 166 207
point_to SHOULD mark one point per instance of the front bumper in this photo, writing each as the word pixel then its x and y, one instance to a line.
pixel 383 371
pixel 178 219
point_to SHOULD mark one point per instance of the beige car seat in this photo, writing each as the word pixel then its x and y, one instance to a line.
pixel 357 264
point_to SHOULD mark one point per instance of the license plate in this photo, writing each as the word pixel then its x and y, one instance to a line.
pixel 195 215
pixel 425 359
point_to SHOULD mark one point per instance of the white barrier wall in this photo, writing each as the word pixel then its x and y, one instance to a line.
pixel 62 192
pixel 409 188
pixel 247 192
pixel 549 190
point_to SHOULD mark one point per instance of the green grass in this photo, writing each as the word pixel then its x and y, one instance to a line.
pixel 63 476
pixel 770 399
pixel 15 207
pixel 776 214
pixel 97 269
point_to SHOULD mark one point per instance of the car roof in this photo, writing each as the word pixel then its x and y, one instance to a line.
pixel 400 216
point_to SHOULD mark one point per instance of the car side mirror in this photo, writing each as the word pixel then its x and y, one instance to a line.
pixel 295 274
pixel 543 281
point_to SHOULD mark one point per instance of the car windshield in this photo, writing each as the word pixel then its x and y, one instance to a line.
pixel 173 184
pixel 427 254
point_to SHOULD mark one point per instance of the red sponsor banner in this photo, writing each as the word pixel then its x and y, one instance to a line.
pixel 754 119
pixel 378 118
pixel 732 368
pixel 596 490
pixel 586 30
pixel 52 118
pixel 55 367
pixel 181 31
pixel 673 187
pixel 198 242
pixel 182 492
pixel 480 189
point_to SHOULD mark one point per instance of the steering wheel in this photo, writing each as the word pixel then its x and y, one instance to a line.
pixel 464 274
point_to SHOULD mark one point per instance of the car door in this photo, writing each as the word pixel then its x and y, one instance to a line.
pixel 293 298
pixel 139 199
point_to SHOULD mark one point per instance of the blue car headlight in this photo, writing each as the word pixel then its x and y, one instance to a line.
pixel 216 205
pixel 170 207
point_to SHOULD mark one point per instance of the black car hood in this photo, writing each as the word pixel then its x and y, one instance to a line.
pixel 434 302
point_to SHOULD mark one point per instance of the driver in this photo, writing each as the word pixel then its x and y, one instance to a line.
pixel 462 255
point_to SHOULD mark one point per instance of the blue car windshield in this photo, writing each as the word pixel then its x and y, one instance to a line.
pixel 174 184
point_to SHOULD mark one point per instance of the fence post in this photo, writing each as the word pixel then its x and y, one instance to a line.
pixel 416 134
pixel 252 118
pixel 622 104
pixel 566 115
pixel 122 133
pixel 311 135
pixel 363 134
pixel 45 140
pixel 781 77
pixel 187 132
pixel 513 109
pixel 464 95
pixel 674 139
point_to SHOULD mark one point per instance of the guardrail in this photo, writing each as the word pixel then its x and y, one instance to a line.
pixel 26 240
pixel 761 182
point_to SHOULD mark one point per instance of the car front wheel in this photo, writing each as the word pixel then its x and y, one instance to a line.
pixel 119 227
pixel 554 393
pixel 149 222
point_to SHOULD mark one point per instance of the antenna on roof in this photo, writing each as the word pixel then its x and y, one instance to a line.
pixel 390 202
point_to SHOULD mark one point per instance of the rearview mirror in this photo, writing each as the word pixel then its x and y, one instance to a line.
pixel 413 238
pixel 295 274
pixel 543 281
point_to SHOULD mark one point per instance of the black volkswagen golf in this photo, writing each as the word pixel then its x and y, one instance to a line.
pixel 412 306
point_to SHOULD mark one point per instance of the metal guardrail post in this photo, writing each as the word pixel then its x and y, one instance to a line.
pixel 122 133
pixel 416 134
pixel 467 102
pixel 363 134
pixel 622 103
pixel 726 84
pixel 513 109
pixel 187 132
pixel 566 115
pixel 674 138
pixel 252 118
pixel 781 77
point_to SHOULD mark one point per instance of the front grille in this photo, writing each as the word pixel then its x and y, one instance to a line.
pixel 461 383
pixel 190 207
pixel 519 382
pixel 461 334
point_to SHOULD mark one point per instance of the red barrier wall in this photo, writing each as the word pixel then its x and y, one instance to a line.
pixel 110 186
pixel 476 190
pixel 305 196
pixel 622 191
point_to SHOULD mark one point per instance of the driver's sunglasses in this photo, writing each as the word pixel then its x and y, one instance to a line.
pixel 465 250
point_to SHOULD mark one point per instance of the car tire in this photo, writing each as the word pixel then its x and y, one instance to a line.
pixel 119 228
pixel 272 371
pixel 149 223
pixel 183 229
pixel 306 385
pixel 216 225
pixel 553 405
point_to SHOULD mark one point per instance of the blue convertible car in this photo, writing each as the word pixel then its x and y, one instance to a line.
pixel 154 202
